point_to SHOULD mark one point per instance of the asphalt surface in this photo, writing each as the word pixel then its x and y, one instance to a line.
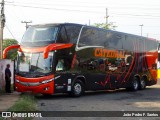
pixel 117 100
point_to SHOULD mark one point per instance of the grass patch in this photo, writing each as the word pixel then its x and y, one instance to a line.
pixel 26 102
pixel 1 118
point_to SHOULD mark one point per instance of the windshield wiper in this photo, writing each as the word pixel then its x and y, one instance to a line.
pixel 23 73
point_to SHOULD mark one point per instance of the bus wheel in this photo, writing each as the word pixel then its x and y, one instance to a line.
pixel 142 84
pixel 135 84
pixel 77 88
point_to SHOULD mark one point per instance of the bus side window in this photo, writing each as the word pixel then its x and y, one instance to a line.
pixel 60 65
pixel 72 32
pixel 158 46
pixel 63 36
pixel 63 64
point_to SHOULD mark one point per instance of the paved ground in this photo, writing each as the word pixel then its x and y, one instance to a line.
pixel 7 100
pixel 120 100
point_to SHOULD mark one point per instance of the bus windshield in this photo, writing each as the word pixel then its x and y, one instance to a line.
pixel 34 64
pixel 40 34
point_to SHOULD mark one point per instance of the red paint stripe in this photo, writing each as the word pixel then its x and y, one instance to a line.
pixel 73 61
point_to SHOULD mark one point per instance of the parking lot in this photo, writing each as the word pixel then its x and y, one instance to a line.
pixel 111 100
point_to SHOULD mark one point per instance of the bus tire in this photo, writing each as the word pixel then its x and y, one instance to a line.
pixel 142 84
pixel 135 84
pixel 77 88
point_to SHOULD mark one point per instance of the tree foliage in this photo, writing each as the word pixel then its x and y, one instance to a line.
pixel 105 26
pixel 12 53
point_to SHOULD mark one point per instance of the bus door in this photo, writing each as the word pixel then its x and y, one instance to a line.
pixel 62 75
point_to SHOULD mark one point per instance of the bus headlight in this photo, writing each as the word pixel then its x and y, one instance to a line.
pixel 17 81
pixel 47 81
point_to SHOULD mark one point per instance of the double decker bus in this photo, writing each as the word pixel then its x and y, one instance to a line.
pixel 158 62
pixel 73 58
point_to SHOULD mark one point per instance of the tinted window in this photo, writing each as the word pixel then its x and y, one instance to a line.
pixel 40 34
pixel 128 42
pixel 151 45
pixel 63 36
pixel 89 37
pixel 158 46
pixel 73 32
pixel 114 41
pixel 97 37
pixel 158 56
pixel 103 37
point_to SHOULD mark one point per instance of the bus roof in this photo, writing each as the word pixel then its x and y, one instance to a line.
pixel 94 27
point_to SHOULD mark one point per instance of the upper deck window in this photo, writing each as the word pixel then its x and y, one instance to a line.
pixel 89 37
pixel 98 37
pixel 158 46
pixel 40 34
pixel 68 33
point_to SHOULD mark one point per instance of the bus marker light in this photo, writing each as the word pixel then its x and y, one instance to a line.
pixel 69 81
pixel 68 88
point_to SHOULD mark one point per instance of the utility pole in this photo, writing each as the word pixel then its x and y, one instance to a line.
pixel 106 16
pixel 141 28
pixel 2 24
pixel 26 22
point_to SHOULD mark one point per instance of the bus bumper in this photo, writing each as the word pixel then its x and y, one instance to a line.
pixel 38 85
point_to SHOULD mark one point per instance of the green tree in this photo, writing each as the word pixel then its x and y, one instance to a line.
pixel 12 53
pixel 105 26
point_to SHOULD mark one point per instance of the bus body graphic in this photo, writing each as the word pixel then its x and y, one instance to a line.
pixel 73 58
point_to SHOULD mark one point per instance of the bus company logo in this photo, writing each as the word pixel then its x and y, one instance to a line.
pixel 6 114
pixel 100 52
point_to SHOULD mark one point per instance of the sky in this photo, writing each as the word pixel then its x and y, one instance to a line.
pixel 127 15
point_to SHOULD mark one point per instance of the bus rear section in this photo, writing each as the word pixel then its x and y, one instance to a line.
pixel 158 62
